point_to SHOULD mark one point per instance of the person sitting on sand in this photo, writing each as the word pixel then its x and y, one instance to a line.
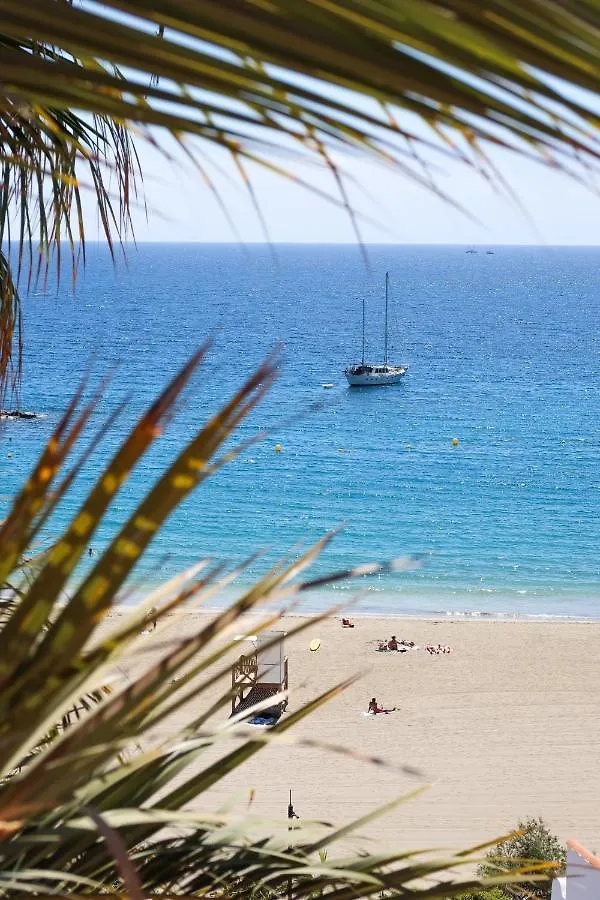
pixel 346 623
pixel 375 708
pixel 150 619
pixel 393 643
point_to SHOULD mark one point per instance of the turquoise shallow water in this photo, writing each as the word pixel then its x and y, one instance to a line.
pixel 503 352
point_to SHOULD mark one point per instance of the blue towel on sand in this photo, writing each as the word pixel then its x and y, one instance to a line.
pixel 266 721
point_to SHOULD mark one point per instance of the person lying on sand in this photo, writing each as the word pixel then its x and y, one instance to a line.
pixel 375 708
pixel 346 623
pixel 439 649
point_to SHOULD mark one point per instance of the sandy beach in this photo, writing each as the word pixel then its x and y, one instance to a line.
pixel 504 727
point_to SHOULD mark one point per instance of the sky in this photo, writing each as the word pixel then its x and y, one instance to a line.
pixel 554 209
pixel 181 207
pixel 551 207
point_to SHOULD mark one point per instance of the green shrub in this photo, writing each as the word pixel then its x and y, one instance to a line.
pixel 535 842
pixel 494 893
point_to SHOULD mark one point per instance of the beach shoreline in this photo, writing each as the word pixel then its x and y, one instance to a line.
pixel 439 618
pixel 397 605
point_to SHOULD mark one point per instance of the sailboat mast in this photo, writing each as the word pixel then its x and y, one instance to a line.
pixel 363 333
pixel 385 351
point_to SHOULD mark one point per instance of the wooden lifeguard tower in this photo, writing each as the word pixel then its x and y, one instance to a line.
pixel 261 674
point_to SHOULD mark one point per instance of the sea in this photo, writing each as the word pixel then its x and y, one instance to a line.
pixel 503 350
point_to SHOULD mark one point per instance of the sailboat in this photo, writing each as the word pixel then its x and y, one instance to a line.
pixel 365 374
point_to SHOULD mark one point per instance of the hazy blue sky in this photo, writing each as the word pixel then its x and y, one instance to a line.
pixel 556 210
pixel 182 208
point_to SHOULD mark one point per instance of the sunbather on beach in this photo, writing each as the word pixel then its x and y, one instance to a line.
pixel 393 643
pixel 375 708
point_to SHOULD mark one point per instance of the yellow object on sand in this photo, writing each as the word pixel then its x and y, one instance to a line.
pixel 278 448
pixel 314 645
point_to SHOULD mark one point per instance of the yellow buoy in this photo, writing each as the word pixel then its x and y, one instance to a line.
pixel 278 448
pixel 455 442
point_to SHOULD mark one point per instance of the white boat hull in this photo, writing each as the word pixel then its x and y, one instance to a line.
pixel 372 379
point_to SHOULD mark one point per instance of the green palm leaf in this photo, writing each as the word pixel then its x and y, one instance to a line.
pixel 10 329
pixel 452 63
pixel 78 818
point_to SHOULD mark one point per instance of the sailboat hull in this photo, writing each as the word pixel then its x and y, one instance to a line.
pixel 360 376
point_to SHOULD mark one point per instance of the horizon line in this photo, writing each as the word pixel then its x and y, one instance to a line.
pixel 133 243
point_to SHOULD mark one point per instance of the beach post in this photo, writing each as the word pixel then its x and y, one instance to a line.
pixel 291 815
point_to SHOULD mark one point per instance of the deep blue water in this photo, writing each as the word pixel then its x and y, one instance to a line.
pixel 503 352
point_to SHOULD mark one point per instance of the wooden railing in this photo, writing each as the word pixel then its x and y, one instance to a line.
pixel 285 683
pixel 244 673
pixel 245 667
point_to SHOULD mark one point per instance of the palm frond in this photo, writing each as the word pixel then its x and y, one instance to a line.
pixel 49 154
pixel 488 71
pixel 82 814
pixel 10 330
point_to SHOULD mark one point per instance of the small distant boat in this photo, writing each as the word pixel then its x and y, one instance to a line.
pixel 470 251
pixel 368 375
pixel 327 385
pixel 18 414
pixel 490 252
